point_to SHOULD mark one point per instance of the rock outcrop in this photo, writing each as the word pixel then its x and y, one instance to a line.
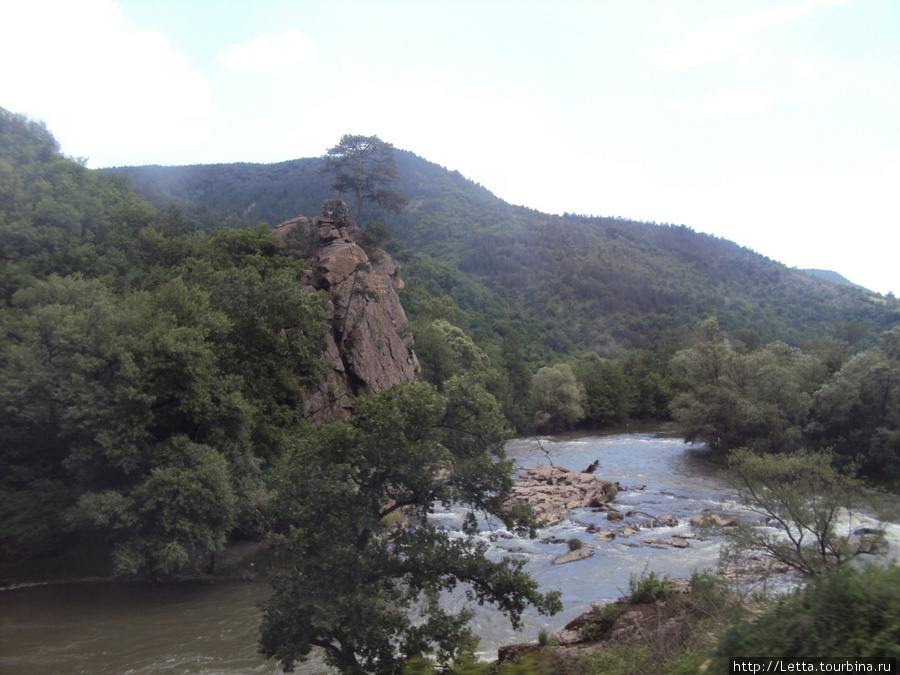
pixel 572 556
pixel 553 492
pixel 369 347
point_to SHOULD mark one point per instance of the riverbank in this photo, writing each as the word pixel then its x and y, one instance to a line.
pixel 91 565
pixel 204 628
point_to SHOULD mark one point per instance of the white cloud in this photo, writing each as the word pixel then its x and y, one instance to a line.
pixel 726 39
pixel 104 89
pixel 495 137
pixel 806 66
pixel 273 54
pixel 723 105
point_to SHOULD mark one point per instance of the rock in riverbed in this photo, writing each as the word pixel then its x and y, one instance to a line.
pixel 553 492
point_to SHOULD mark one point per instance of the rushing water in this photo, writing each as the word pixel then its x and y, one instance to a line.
pixel 104 628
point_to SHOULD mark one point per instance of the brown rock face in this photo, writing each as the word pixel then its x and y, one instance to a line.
pixel 369 348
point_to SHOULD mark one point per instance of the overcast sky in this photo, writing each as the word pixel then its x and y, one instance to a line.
pixel 774 124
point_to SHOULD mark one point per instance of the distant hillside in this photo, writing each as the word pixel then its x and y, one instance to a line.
pixel 833 277
pixel 565 284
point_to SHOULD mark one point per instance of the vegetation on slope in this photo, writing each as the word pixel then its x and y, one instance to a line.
pixel 151 404
pixel 148 373
pixel 566 285
pixel 151 375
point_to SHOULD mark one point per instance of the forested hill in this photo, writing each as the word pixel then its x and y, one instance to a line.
pixel 564 284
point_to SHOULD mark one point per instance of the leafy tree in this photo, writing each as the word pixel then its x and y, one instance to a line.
pixel 847 614
pixel 729 399
pixel 147 372
pixel 445 350
pixel 365 165
pixel 368 593
pixel 606 391
pixel 858 411
pixel 512 363
pixel 182 507
pixel 104 391
pixel 557 398
pixel 804 497
pixel 649 383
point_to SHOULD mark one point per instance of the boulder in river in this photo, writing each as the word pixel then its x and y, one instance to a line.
pixel 713 520
pixel 572 556
pixel 553 491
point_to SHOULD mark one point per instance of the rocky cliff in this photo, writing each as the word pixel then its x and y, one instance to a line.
pixel 369 347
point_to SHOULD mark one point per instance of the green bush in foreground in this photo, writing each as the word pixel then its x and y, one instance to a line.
pixel 648 588
pixel 847 613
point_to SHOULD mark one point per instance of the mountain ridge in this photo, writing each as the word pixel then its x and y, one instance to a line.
pixel 834 277
pixel 567 284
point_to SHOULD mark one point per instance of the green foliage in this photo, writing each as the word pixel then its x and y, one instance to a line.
pixel 445 351
pixel 780 399
pixel 575 544
pixel 622 660
pixel 363 165
pixel 566 285
pixel 648 587
pixel 804 496
pixel 848 613
pixel 730 398
pixel 633 387
pixel 666 632
pixel 557 398
pixel 183 506
pixel 857 413
pixel 602 620
pixel 147 372
pixel 369 596
pixel 607 395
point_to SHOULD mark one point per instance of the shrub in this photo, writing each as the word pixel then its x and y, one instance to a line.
pixel 648 588
pixel 602 621
pixel 610 490
pixel 847 613
pixel 575 544
pixel 621 660
pixel 801 492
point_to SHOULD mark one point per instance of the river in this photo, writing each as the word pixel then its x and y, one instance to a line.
pixel 108 628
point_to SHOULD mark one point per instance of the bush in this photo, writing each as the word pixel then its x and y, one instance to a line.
pixel 648 588
pixel 611 491
pixel 801 492
pixel 847 613
pixel 602 621
pixel 575 544
pixel 621 660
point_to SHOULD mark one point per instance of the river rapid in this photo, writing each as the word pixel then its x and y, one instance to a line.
pixel 108 628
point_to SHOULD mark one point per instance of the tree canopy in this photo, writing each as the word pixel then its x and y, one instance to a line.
pixel 367 591
pixel 148 372
pixel 365 166
pixel 783 399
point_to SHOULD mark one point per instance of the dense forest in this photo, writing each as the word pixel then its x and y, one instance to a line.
pixel 142 362
pixel 152 376
pixel 507 290
pixel 565 285
pixel 155 346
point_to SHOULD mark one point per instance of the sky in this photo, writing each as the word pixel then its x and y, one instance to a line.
pixel 772 123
